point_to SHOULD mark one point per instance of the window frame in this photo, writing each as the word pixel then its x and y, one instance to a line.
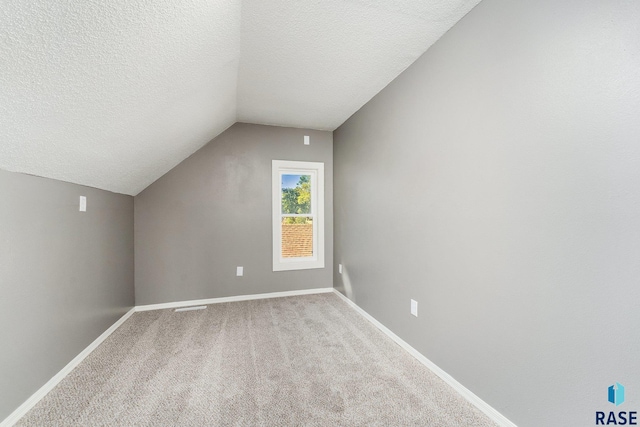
pixel 316 170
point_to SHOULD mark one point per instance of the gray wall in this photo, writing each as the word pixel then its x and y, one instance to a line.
pixel 497 182
pixel 213 212
pixel 65 277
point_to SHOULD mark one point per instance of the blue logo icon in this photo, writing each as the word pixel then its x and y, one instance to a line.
pixel 616 394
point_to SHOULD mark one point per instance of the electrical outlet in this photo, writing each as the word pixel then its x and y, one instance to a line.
pixel 340 268
pixel 239 271
pixel 414 307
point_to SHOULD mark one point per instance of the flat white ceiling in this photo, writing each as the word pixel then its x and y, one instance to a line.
pixel 114 94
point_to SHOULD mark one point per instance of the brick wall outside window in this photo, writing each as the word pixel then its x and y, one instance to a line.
pixel 297 240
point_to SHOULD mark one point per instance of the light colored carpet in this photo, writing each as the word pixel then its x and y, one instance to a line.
pixel 298 361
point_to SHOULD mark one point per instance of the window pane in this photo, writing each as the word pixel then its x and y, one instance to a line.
pixel 296 194
pixel 297 237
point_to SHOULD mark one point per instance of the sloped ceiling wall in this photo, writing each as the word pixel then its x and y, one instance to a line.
pixel 315 63
pixel 114 94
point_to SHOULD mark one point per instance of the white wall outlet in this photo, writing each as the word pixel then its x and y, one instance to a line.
pixel 83 204
pixel 306 140
pixel 340 268
pixel 239 271
pixel 414 307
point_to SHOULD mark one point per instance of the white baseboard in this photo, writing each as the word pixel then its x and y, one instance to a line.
pixel 232 299
pixel 35 398
pixel 483 406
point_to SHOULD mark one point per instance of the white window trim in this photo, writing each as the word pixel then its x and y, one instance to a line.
pixel 316 169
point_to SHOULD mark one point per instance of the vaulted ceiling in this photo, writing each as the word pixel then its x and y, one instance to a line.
pixel 114 94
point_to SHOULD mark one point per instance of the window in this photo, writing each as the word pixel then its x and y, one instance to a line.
pixel 298 215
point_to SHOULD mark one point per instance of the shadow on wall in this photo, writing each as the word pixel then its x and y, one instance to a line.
pixel 346 283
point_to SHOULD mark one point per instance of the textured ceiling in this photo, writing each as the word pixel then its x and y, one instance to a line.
pixel 315 63
pixel 114 94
